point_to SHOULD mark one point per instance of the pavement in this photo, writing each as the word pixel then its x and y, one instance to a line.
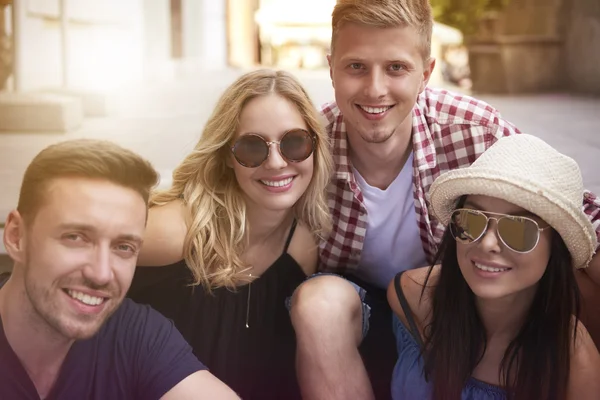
pixel 162 121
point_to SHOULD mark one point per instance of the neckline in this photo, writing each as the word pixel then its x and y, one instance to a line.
pixel 364 185
pixel 269 271
pixel 472 382
pixel 21 372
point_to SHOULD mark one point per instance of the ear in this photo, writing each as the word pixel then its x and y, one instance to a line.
pixel 14 236
pixel 427 71
pixel 330 68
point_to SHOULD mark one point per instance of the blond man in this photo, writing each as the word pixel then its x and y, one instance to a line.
pixel 65 330
pixel 392 136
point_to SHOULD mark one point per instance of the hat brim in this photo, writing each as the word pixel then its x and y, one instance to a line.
pixel 571 223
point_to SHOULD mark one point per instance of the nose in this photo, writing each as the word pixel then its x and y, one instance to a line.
pixel 275 160
pixel 490 240
pixel 376 86
pixel 99 271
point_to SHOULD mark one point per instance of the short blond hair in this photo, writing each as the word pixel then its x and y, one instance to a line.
pixel 83 158
pixel 216 209
pixel 386 14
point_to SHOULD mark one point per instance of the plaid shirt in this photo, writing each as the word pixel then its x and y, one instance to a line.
pixel 449 131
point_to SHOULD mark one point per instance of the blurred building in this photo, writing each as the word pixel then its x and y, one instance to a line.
pixel 83 45
pixel 59 58
pixel 99 44
pixel 535 46
pixel 83 48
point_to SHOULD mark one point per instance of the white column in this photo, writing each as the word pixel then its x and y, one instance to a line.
pixel 205 32
pixel 157 38
pixel 64 41
pixel 215 33
pixel 19 36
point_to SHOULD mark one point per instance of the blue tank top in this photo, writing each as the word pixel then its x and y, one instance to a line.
pixel 408 380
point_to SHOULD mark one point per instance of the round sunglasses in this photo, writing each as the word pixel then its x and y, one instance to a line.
pixel 520 234
pixel 252 150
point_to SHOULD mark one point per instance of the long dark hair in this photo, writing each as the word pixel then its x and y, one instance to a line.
pixel 536 362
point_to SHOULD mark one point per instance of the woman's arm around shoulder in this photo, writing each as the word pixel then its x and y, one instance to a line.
pixel 165 235
pixel 304 249
pixel 584 376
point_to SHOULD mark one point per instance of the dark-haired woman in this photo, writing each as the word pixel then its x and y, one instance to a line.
pixel 498 319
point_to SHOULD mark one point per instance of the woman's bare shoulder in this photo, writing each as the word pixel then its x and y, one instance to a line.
pixel 165 235
pixel 585 364
pixel 417 286
pixel 304 249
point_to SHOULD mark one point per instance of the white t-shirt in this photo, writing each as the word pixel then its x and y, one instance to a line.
pixel 392 242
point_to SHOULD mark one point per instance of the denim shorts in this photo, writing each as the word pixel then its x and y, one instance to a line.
pixel 366 309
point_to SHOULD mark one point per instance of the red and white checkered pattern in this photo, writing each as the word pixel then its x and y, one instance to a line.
pixel 449 131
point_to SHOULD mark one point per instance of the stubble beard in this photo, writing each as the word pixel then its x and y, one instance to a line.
pixel 56 321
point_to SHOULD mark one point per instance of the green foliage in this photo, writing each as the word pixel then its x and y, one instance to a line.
pixel 464 14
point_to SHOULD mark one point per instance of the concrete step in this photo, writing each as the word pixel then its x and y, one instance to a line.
pixel 39 112
pixel 94 103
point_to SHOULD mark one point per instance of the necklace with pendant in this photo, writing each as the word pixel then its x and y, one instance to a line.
pixel 248 302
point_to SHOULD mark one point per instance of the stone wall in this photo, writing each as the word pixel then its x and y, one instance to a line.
pixel 582 46
pixel 520 50
pixel 537 46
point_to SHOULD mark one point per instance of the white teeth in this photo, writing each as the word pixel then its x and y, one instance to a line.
pixel 280 183
pixel 375 110
pixel 490 269
pixel 85 298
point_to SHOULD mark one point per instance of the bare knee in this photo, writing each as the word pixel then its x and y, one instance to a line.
pixel 327 303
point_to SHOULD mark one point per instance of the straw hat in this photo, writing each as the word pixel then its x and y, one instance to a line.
pixel 526 171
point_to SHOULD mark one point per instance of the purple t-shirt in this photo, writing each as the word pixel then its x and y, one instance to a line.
pixel 137 354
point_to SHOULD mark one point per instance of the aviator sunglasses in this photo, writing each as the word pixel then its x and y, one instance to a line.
pixel 520 234
pixel 252 150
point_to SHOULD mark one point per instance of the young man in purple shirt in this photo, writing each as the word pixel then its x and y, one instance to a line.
pixel 66 330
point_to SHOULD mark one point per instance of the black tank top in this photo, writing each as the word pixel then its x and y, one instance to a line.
pixel 256 361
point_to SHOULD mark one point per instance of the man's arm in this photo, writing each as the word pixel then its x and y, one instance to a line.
pixel 588 279
pixel 591 207
pixel 201 385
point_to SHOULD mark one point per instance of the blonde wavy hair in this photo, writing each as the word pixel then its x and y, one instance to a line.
pixel 216 211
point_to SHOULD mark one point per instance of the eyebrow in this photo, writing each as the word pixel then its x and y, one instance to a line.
pixel 92 229
pixel 363 60
pixel 474 205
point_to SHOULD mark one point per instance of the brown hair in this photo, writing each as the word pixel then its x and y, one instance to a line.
pixel 386 14
pixel 84 158
pixel 216 209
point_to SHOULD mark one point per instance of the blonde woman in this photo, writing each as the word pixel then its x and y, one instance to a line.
pixel 238 230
